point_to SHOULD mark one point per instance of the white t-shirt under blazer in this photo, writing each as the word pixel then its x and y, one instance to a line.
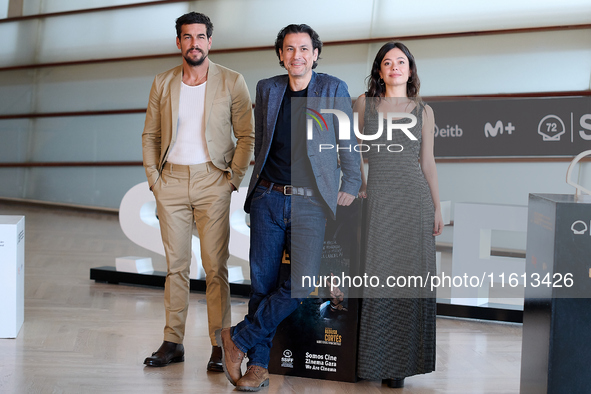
pixel 190 146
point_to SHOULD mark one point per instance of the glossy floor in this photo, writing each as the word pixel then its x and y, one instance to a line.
pixel 85 337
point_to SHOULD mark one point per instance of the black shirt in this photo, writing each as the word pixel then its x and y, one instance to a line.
pixel 288 162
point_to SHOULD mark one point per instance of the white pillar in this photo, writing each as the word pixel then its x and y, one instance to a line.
pixel 12 275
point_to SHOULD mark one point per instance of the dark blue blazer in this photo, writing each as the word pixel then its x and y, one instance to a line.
pixel 327 164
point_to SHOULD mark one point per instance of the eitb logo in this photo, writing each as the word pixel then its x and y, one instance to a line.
pixel 317 120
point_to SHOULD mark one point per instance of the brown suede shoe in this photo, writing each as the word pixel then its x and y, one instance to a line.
pixel 231 356
pixel 254 379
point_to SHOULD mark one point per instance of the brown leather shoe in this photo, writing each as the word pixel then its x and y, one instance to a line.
pixel 254 379
pixel 169 352
pixel 215 360
pixel 231 356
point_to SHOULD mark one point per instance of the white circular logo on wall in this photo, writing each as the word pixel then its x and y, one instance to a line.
pixel 551 127
pixel 579 227
pixel 287 353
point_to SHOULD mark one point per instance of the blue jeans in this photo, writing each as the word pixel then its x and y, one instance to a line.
pixel 278 223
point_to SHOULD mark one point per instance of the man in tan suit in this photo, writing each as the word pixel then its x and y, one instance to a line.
pixel 193 165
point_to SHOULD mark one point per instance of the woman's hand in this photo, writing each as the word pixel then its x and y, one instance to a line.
pixel 362 191
pixel 438 225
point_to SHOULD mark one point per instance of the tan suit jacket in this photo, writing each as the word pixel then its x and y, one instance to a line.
pixel 227 107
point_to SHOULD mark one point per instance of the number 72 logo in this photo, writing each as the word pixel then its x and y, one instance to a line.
pixel 551 127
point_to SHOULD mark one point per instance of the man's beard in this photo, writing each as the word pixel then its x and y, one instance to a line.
pixel 195 63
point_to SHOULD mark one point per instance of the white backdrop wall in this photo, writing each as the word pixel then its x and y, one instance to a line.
pixel 486 64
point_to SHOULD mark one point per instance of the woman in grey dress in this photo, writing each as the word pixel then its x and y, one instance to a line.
pixel 397 326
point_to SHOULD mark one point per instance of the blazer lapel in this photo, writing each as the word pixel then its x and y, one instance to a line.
pixel 175 96
pixel 213 80
pixel 313 88
pixel 312 102
pixel 313 92
pixel 273 105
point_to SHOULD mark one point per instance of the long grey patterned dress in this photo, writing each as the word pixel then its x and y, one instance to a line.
pixel 397 334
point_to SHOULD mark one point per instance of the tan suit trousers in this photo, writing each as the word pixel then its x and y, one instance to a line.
pixel 184 194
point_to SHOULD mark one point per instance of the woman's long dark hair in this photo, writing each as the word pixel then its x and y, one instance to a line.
pixel 375 84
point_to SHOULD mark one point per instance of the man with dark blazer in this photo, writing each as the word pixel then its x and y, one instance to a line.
pixel 295 186
pixel 193 165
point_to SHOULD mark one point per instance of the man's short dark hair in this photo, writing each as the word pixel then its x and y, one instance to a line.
pixel 194 17
pixel 303 28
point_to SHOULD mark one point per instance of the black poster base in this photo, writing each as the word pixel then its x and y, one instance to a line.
pixel 317 342
pixel 319 339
